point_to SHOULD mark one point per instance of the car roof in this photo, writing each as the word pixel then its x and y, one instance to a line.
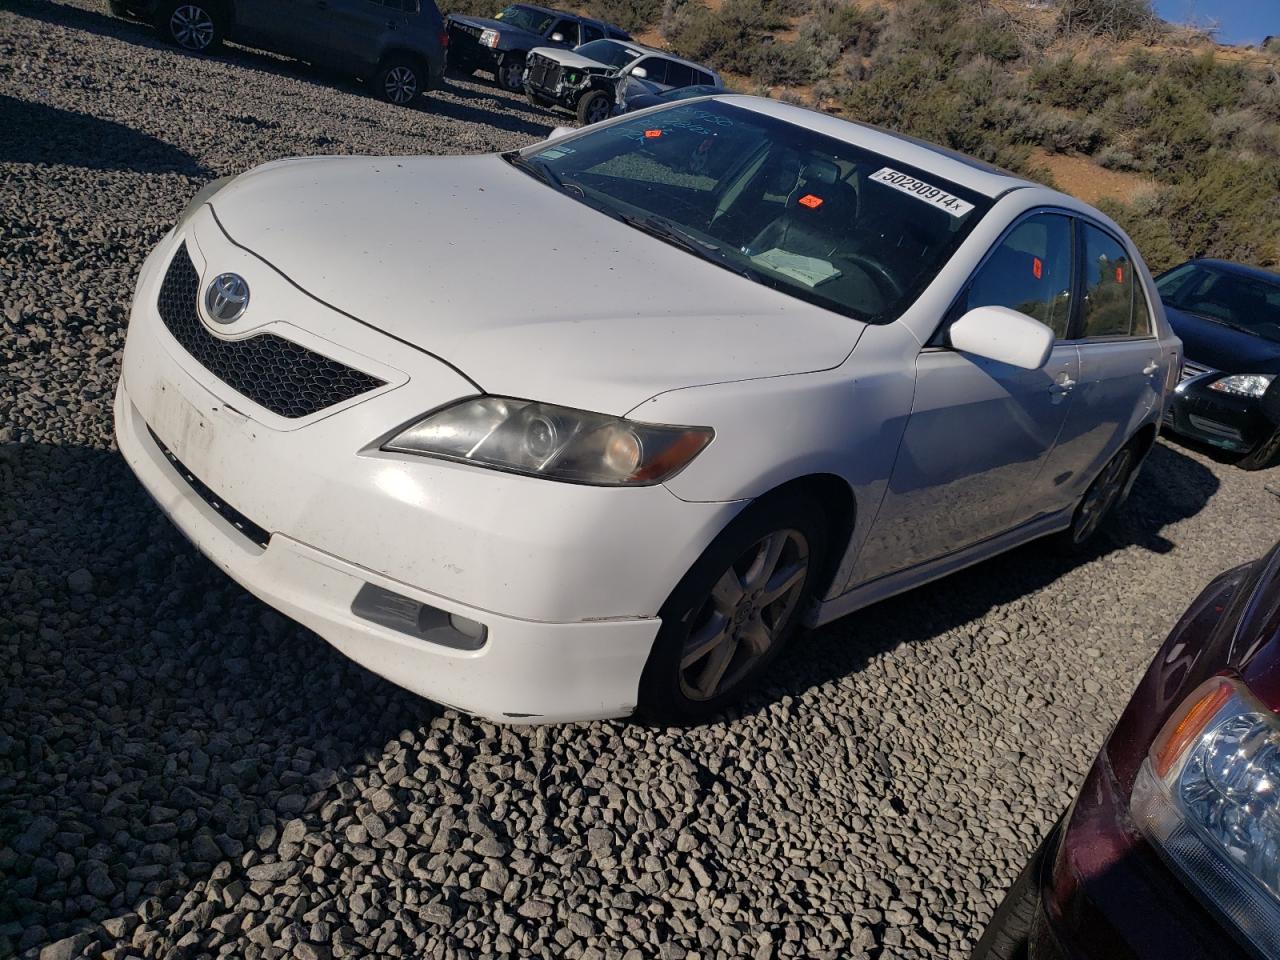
pixel 948 164
pixel 666 55
pixel 1239 269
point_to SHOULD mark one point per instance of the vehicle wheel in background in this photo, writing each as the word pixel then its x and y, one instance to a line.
pixel 733 612
pixel 399 79
pixel 510 72
pixel 1099 502
pixel 594 107
pixel 193 25
pixel 1265 454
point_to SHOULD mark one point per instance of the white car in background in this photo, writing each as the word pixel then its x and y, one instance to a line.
pixel 593 426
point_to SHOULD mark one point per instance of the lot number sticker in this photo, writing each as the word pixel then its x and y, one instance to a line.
pixel 922 191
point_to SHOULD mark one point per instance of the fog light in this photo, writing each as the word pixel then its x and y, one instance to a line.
pixel 408 616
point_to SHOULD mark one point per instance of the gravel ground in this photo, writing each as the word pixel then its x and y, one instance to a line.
pixel 184 772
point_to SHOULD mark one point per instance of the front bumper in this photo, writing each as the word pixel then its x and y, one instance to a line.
pixel 1228 422
pixel 567 579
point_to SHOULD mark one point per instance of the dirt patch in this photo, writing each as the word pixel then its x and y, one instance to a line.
pixel 1081 177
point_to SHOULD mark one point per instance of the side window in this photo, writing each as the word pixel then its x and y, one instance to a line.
pixel 568 29
pixel 1141 311
pixel 1108 286
pixel 591 32
pixel 1029 271
pixel 678 74
pixel 703 79
pixel 655 69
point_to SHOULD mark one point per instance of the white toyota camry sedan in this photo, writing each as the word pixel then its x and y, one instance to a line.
pixel 592 427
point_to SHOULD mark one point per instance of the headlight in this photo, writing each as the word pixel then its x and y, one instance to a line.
pixel 553 442
pixel 1244 384
pixel 1208 797
pixel 202 197
pixel 488 38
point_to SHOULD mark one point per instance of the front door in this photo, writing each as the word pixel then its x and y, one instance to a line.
pixel 359 30
pixel 980 431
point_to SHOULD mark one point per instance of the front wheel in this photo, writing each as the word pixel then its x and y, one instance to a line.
pixel 399 80
pixel 510 72
pixel 594 107
pixel 1263 455
pixel 192 25
pixel 734 611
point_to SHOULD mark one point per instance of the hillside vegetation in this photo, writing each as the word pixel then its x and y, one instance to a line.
pixel 1196 125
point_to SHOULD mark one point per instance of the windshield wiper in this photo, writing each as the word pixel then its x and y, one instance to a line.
pixel 668 232
pixel 537 168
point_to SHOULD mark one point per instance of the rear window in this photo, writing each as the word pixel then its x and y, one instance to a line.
pixel 812 216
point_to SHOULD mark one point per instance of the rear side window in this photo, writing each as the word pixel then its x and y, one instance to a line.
pixel 703 79
pixel 591 32
pixel 1029 271
pixel 655 69
pixel 1108 286
pixel 569 30
pixel 678 74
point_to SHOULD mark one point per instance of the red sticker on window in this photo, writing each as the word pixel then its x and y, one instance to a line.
pixel 1037 267
pixel 652 134
pixel 1119 274
pixel 810 201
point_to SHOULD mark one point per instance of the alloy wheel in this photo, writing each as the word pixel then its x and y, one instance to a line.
pixel 400 84
pixel 1102 496
pixel 192 27
pixel 511 74
pixel 749 608
pixel 597 110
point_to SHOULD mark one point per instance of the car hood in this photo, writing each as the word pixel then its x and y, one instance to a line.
pixel 1221 347
pixel 488 23
pixel 527 291
pixel 571 58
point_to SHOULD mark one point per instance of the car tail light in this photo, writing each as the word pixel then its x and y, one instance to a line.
pixel 444 38
pixel 1208 798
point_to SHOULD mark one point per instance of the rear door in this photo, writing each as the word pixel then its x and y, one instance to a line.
pixel 359 30
pixel 299 28
pixel 980 432
pixel 1122 363
pixel 567 30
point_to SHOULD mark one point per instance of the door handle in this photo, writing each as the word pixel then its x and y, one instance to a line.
pixel 1151 368
pixel 1063 385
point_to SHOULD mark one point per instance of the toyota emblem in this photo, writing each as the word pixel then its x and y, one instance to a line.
pixel 227 297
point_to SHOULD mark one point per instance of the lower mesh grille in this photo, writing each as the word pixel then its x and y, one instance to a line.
pixel 285 377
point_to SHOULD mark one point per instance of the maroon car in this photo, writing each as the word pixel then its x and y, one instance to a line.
pixel 1171 849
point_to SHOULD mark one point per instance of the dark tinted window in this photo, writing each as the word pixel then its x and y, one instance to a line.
pixel 703 79
pixel 608 52
pixel 1029 271
pixel 655 69
pixel 1244 302
pixel 591 32
pixel 678 75
pixel 526 18
pixel 1108 286
pixel 568 29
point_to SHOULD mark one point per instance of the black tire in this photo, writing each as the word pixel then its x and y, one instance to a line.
pixel 399 79
pixel 1264 455
pixel 509 73
pixel 1106 493
pixel 753 630
pixel 1008 933
pixel 593 107
pixel 193 25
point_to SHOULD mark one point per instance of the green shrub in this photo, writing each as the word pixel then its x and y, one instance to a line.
pixel 628 14
pixel 1077 84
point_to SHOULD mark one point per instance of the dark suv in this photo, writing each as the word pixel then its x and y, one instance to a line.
pixel 500 45
pixel 397 45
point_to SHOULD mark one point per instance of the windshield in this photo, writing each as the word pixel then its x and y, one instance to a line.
pixel 1246 303
pixel 812 216
pixel 526 18
pixel 608 52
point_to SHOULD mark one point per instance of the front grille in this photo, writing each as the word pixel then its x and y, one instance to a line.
pixel 1192 369
pixel 543 72
pixel 283 376
pixel 229 513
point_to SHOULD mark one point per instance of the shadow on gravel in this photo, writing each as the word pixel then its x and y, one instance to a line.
pixel 1172 487
pixel 57 136
pixel 156 722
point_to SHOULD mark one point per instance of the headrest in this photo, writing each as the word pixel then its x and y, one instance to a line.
pixel 820 171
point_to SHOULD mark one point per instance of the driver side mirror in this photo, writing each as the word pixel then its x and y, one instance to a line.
pixel 558 132
pixel 557 37
pixel 639 73
pixel 1003 335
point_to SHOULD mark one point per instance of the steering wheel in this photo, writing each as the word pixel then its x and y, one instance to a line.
pixel 877 271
